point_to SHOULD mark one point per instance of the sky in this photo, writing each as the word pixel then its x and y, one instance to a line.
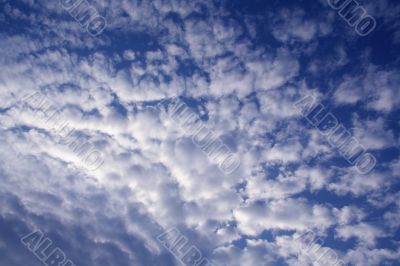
pixel 212 132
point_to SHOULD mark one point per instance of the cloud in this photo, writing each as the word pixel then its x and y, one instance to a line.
pixel 280 215
pixel 292 25
pixel 376 88
pixel 241 82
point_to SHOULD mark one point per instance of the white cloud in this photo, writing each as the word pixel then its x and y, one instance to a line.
pixel 153 173
pixel 290 214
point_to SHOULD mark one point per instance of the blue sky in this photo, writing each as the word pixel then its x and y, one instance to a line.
pixel 240 67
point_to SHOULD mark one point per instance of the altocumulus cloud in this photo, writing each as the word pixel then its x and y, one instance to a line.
pixel 238 67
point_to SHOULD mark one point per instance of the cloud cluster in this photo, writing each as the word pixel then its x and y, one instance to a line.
pixel 153 176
